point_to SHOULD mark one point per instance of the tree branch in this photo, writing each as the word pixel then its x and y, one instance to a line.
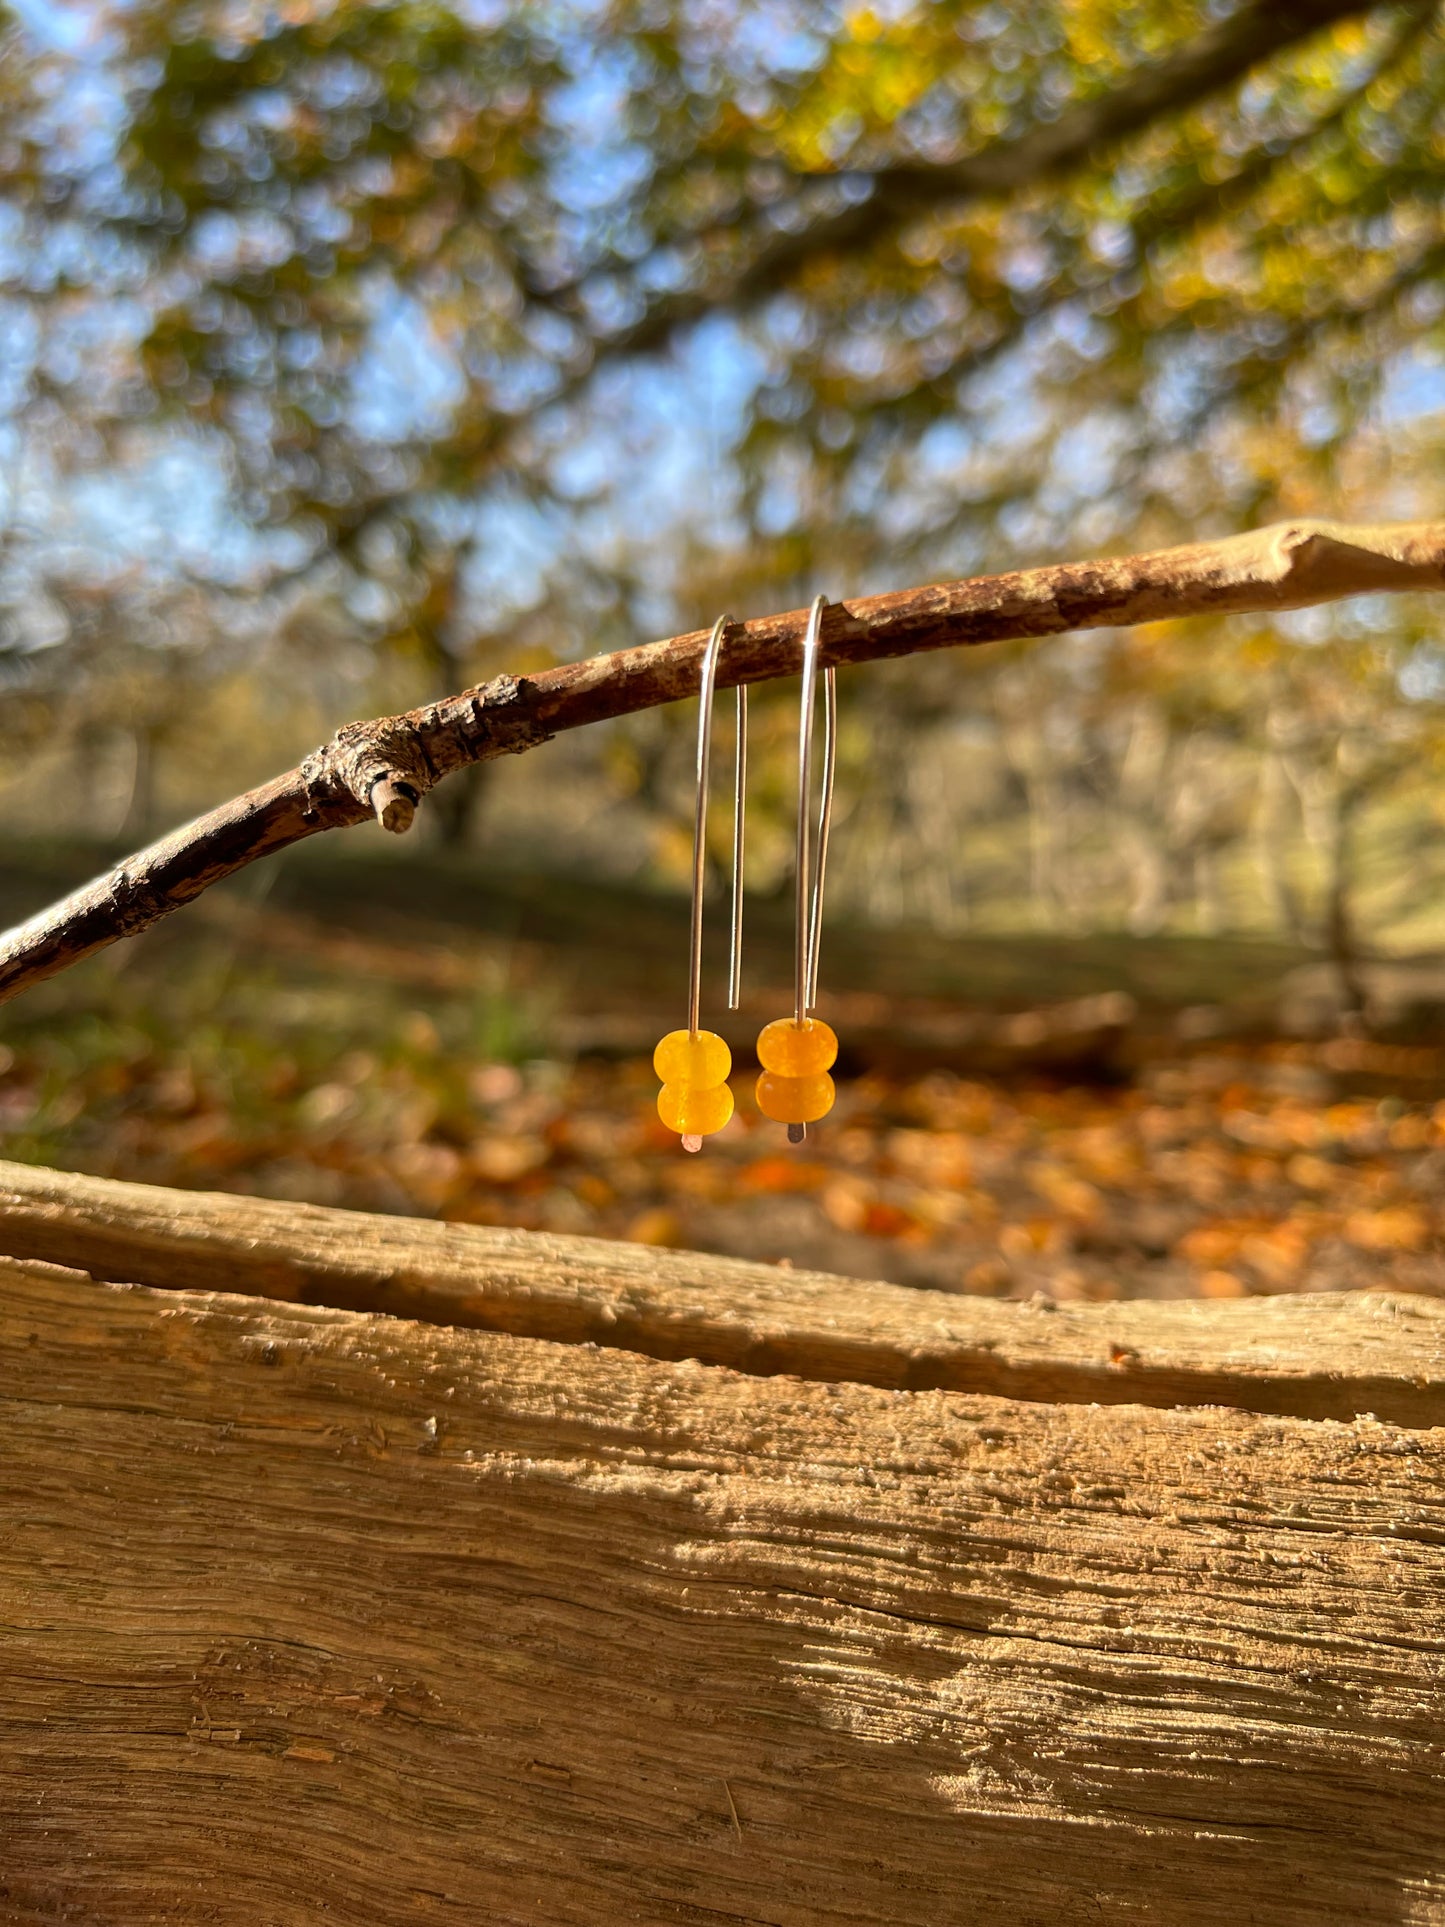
pixel 1174 221
pixel 1217 58
pixel 383 768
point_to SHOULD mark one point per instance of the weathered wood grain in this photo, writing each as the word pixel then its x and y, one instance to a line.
pixel 1309 1356
pixel 312 1616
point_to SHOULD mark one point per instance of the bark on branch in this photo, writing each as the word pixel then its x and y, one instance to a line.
pixel 384 767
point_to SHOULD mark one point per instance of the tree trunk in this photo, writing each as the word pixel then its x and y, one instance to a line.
pixel 1209 917
pixel 322 1614
pixel 138 810
pixel 1147 868
pixel 1340 936
pixel 458 808
pixel 1272 836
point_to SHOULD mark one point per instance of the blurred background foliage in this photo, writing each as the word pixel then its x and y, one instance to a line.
pixel 350 353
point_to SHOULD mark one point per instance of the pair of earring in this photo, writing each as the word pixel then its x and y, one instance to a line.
pixel 797 1052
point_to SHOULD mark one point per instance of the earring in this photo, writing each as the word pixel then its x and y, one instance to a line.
pixel 694 1064
pixel 797 1052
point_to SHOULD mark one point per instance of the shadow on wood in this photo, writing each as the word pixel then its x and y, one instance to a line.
pixel 313 1613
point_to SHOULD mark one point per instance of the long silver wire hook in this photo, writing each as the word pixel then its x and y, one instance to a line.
pixel 810 871
pixel 707 683
pixel 825 827
pixel 740 787
pixel 809 904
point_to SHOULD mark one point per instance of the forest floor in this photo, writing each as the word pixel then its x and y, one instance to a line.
pixel 1091 1117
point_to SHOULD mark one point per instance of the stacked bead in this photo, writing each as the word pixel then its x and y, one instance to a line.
pixel 795 1087
pixel 694 1100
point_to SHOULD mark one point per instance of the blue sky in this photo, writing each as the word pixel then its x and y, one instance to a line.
pixel 648 463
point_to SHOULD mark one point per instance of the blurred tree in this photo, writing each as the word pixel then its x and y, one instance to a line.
pixel 1347 741
pixel 938 286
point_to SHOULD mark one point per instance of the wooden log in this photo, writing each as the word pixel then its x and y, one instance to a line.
pixel 1326 1355
pixel 310 1614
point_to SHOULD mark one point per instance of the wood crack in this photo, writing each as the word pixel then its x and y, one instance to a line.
pixel 1316 1357
pixel 581 1665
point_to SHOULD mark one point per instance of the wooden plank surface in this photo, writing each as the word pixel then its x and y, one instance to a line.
pixel 1304 1355
pixel 308 1615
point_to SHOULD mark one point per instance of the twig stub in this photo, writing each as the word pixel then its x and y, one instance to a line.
pixel 394 803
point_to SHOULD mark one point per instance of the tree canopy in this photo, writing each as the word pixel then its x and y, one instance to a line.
pixel 530 327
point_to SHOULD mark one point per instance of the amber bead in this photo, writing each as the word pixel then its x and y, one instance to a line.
pixel 694 1111
pixel 795 1100
pixel 702 1061
pixel 797 1050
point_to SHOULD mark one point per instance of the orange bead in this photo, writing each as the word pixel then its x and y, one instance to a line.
pixel 795 1100
pixel 797 1050
pixel 701 1061
pixel 694 1112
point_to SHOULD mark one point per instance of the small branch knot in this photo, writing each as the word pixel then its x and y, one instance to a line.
pixel 384 766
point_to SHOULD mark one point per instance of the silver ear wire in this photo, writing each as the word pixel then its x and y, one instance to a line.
pixel 707 683
pixel 825 826
pixel 810 871
pixel 740 787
